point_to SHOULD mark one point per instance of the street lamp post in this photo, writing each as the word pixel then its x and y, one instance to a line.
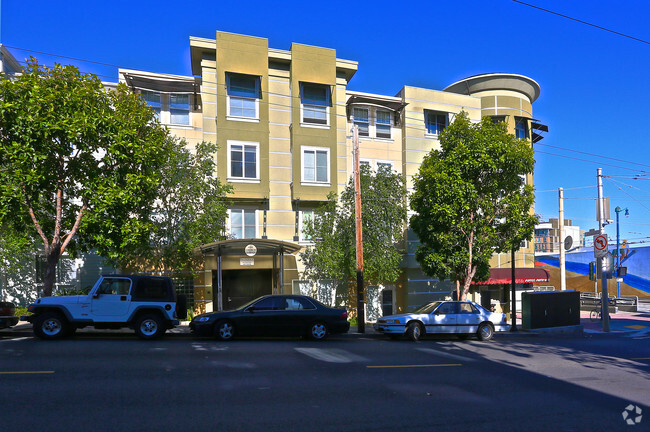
pixel 618 250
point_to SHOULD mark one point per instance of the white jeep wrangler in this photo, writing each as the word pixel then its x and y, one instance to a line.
pixel 147 304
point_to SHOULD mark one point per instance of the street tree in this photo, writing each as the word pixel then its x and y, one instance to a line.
pixel 80 166
pixel 191 210
pixel 332 230
pixel 471 200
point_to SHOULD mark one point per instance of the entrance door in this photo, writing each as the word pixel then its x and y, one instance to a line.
pixel 241 286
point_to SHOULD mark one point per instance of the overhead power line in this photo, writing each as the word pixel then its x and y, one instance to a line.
pixel 584 22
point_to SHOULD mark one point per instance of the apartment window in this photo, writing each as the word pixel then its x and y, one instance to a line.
pixel 521 127
pixel 243 163
pixel 385 165
pixel 362 121
pixel 383 124
pixel 153 99
pixel 179 109
pixel 243 95
pixel 315 165
pixel 315 101
pixel 306 217
pixel 498 119
pixel 243 223
pixel 435 122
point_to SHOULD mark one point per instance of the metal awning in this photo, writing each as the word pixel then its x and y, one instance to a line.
pixel 500 276
pixel 392 105
pixel 238 247
pixel 164 85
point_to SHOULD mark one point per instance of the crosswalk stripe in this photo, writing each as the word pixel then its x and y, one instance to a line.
pixel 331 355
pixel 446 354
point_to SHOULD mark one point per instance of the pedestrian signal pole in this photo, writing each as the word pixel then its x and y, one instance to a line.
pixel 601 251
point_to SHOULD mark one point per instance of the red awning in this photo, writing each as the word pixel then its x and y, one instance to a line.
pixel 522 275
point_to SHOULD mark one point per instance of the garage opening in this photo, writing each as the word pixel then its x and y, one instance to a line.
pixel 241 286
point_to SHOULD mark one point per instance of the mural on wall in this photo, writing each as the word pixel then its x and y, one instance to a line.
pixel 637 261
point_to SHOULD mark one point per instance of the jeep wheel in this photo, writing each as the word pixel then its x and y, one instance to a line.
pixel 51 325
pixel 149 326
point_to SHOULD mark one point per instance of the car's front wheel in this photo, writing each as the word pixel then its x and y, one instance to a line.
pixel 485 332
pixel 318 331
pixel 51 325
pixel 414 331
pixel 225 330
pixel 149 326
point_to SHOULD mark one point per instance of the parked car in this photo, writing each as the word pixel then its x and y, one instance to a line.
pixel 147 304
pixel 274 315
pixel 462 318
pixel 7 312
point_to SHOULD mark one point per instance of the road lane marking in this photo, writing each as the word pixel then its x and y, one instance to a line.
pixel 25 372
pixel 16 339
pixel 446 354
pixel 413 366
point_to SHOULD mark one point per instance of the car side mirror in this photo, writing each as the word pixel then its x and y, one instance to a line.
pixel 95 295
pixel 251 309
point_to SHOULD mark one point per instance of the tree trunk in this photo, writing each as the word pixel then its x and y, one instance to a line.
pixel 52 259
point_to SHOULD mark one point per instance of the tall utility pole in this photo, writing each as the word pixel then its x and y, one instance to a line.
pixel 602 221
pixel 361 319
pixel 562 252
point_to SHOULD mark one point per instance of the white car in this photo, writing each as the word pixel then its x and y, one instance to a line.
pixel 462 318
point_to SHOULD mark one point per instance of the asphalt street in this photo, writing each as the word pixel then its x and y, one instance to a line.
pixel 113 381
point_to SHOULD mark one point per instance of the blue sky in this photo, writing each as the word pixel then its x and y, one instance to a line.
pixel 595 85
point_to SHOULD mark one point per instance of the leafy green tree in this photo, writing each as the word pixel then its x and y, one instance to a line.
pixel 471 200
pixel 191 210
pixel 79 166
pixel 383 207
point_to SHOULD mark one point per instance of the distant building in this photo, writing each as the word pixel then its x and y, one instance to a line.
pixel 547 236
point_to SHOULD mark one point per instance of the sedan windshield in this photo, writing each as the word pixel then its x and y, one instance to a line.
pixel 427 308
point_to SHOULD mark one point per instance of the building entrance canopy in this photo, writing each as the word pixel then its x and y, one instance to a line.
pixel 238 247
pixel 251 248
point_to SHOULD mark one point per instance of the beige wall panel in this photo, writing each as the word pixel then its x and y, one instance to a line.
pixel 276 159
pixel 280 174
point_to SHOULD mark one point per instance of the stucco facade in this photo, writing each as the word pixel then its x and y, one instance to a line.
pixel 282 121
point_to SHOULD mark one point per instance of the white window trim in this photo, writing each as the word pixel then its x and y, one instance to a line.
pixel 168 105
pixel 314 125
pixel 302 166
pixel 384 161
pixel 257 164
pixel 390 113
pixel 302 240
pixel 229 221
pixel 302 113
pixel 229 116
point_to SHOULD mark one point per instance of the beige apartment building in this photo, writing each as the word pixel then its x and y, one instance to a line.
pixel 282 120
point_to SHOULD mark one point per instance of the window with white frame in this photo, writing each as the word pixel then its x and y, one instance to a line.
pixel 362 121
pixel 315 102
pixel 435 121
pixel 243 95
pixel 383 123
pixel 315 165
pixel 179 109
pixel 306 217
pixel 243 161
pixel 243 223
pixel 388 165
pixel 153 99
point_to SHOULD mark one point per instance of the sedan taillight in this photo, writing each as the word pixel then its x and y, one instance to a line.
pixel 344 315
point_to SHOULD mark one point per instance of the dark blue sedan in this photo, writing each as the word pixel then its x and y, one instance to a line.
pixel 274 315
